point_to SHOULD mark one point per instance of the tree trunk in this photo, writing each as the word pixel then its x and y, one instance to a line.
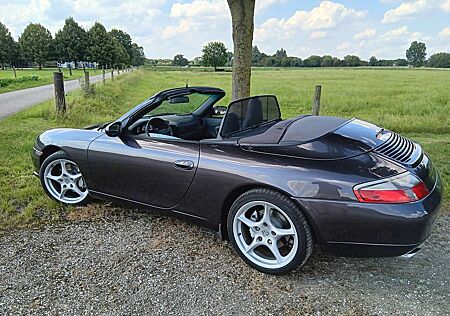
pixel 242 13
pixel 40 66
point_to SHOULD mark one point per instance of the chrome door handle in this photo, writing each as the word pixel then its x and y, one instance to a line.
pixel 184 164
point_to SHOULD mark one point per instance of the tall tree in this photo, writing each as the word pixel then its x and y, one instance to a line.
pixel 120 57
pixel 416 54
pixel 100 45
pixel 242 16
pixel 35 43
pixel 373 61
pixel 180 60
pixel 71 42
pixel 215 55
pixel 7 46
pixel 137 55
pixel 124 39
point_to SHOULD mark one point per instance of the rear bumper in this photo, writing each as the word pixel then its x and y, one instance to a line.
pixel 373 230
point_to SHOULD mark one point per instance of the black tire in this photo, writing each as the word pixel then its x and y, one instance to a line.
pixel 291 209
pixel 55 156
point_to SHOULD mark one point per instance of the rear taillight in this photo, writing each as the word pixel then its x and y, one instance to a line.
pixel 403 188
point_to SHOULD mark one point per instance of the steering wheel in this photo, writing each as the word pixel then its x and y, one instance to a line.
pixel 158 126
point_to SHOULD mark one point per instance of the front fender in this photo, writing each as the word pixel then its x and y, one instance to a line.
pixel 74 142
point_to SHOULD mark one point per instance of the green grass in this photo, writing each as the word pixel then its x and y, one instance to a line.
pixel 415 103
pixel 45 77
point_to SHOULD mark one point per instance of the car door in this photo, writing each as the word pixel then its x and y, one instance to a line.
pixel 154 171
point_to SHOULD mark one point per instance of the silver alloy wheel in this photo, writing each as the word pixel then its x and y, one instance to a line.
pixel 265 234
pixel 64 181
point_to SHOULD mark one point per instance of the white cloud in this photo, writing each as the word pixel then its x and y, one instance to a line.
pixel 327 15
pixel 318 34
pixel 405 10
pixel 367 33
pixel 446 6
pixel 200 8
pixel 445 32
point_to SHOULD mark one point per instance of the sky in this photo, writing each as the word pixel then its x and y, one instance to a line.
pixel 383 28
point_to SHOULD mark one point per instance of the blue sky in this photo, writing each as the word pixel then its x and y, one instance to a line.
pixel 164 28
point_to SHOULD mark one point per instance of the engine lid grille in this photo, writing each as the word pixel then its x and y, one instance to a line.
pixel 399 148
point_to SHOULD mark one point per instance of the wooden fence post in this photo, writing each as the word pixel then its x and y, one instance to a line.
pixel 15 74
pixel 112 74
pixel 103 77
pixel 86 82
pixel 70 70
pixel 60 99
pixel 316 103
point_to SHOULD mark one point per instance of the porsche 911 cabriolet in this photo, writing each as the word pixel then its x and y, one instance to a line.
pixel 276 189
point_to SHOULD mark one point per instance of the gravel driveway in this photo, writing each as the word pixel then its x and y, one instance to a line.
pixel 140 263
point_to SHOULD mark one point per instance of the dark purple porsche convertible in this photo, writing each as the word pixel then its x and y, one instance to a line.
pixel 275 188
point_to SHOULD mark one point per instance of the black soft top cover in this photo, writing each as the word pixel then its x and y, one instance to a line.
pixel 297 130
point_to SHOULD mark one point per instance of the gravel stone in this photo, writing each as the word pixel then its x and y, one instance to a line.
pixel 140 263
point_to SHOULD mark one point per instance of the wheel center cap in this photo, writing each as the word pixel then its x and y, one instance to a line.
pixel 265 233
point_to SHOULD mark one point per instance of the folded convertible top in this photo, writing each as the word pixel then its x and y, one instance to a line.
pixel 297 130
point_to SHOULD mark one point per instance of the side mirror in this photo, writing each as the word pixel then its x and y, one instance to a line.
pixel 220 110
pixel 114 129
pixel 177 100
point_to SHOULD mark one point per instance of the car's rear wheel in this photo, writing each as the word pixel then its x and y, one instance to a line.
pixel 62 180
pixel 269 231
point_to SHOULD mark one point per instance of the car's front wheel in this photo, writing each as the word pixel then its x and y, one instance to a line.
pixel 62 180
pixel 269 231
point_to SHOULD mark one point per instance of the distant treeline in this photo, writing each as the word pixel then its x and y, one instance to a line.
pixel 37 46
pixel 215 54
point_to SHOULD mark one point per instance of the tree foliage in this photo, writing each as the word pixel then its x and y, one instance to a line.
pixel 124 39
pixel 416 54
pixel 100 45
pixel 214 55
pixel 180 60
pixel 35 43
pixel 71 42
pixel 138 56
pixel 439 60
pixel 7 45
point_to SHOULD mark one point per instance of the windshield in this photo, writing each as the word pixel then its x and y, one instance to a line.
pixel 180 105
pixel 249 113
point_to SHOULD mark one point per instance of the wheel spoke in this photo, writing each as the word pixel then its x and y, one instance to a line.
pixel 76 176
pixel 246 221
pixel 62 193
pixel 276 252
pixel 255 243
pixel 52 177
pixel 63 167
pixel 76 190
pixel 280 232
pixel 266 215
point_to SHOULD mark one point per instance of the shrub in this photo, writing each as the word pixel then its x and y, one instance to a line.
pixel 4 82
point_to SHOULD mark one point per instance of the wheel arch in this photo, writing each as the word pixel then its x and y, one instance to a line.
pixel 232 196
pixel 47 151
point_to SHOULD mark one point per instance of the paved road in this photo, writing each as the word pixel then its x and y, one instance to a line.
pixel 16 101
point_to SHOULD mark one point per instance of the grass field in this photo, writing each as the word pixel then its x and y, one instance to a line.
pixel 45 76
pixel 415 103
